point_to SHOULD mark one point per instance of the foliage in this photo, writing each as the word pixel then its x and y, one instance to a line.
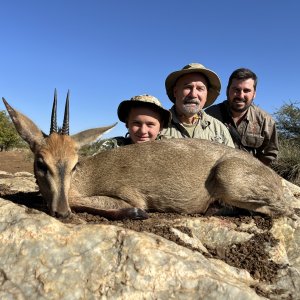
pixel 9 137
pixel 288 124
pixel 288 121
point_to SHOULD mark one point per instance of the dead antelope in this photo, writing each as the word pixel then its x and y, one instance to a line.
pixel 174 175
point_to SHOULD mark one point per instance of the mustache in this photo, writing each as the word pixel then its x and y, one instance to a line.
pixel 191 101
pixel 239 99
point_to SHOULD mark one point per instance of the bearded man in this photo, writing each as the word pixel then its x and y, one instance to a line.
pixel 251 128
pixel 191 89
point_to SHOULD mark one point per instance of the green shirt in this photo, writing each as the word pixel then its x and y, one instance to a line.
pixel 207 128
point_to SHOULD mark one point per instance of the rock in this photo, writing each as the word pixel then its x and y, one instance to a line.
pixel 18 182
pixel 44 258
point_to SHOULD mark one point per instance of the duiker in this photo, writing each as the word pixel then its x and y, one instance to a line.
pixel 172 175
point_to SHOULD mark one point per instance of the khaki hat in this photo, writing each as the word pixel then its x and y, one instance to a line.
pixel 147 100
pixel 214 81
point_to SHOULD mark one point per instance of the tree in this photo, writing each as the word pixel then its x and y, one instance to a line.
pixel 288 121
pixel 8 135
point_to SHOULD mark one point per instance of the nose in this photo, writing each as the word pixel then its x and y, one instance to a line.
pixel 240 93
pixel 193 92
pixel 143 129
pixel 60 208
pixel 62 215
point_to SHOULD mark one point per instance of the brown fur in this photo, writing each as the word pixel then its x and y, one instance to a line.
pixel 181 175
pixel 178 175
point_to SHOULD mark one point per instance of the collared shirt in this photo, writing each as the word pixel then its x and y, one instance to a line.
pixel 206 127
pixel 257 130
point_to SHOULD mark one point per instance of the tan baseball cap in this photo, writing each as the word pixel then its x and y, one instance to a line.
pixel 147 100
pixel 213 79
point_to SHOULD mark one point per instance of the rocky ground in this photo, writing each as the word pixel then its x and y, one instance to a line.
pixel 250 256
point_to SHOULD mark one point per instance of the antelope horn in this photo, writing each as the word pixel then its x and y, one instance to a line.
pixel 65 128
pixel 53 127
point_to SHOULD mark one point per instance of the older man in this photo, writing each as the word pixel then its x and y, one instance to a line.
pixel 191 89
pixel 251 128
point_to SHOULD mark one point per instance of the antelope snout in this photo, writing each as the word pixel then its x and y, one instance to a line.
pixel 63 215
pixel 60 209
pixel 60 212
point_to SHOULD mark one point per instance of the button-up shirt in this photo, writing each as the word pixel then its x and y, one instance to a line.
pixel 257 130
pixel 206 127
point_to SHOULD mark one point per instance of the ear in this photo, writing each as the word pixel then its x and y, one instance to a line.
pixel 175 91
pixel 254 95
pixel 28 131
pixel 90 135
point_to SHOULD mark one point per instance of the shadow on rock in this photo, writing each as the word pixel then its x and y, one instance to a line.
pixel 31 200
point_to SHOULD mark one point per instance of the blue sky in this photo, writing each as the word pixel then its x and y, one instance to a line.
pixel 109 51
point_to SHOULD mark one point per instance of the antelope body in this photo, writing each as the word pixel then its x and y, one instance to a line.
pixel 173 175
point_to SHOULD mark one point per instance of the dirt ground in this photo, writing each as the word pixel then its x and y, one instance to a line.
pixel 250 256
pixel 16 161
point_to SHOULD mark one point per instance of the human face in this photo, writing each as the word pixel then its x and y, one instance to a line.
pixel 143 124
pixel 190 93
pixel 241 94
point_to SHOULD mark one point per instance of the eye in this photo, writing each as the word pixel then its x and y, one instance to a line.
pixel 201 88
pixel 150 125
pixel 41 166
pixel 187 88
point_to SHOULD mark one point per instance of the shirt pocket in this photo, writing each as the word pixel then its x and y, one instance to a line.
pixel 253 140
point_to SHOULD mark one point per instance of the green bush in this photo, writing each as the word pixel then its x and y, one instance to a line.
pixel 288 124
pixel 9 138
pixel 288 121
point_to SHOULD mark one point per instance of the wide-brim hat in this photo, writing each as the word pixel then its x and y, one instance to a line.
pixel 214 87
pixel 145 100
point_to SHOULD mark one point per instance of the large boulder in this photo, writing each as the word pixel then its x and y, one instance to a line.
pixel 179 257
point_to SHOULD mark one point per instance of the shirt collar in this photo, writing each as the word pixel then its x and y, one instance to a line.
pixel 201 113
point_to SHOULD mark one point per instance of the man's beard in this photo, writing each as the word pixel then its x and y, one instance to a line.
pixel 233 105
pixel 191 109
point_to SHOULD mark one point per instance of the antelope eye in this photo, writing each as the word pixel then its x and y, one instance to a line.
pixel 41 166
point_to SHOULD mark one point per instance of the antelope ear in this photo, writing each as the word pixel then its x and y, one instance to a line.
pixel 28 131
pixel 90 135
